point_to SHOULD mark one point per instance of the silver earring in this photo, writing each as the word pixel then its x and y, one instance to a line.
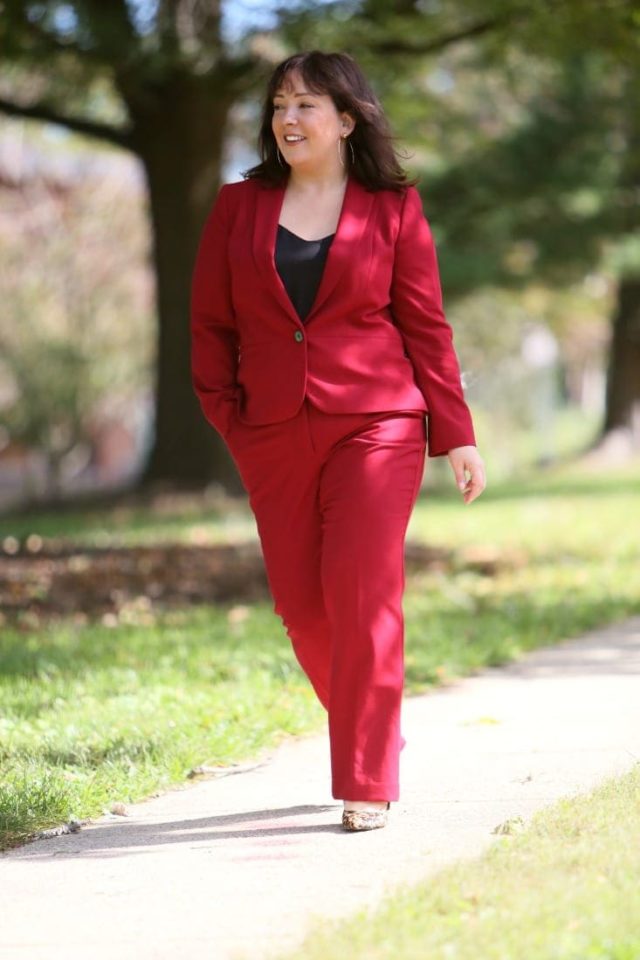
pixel 340 151
pixel 278 156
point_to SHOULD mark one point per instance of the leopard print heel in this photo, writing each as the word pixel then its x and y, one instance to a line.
pixel 365 819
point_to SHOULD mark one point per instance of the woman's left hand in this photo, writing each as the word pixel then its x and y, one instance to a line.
pixel 468 468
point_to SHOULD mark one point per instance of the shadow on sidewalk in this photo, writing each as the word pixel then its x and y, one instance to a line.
pixel 117 838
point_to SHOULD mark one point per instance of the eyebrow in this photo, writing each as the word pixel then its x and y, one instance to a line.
pixel 303 94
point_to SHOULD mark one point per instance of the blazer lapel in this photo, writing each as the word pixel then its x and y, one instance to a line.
pixel 268 203
pixel 356 208
pixel 354 216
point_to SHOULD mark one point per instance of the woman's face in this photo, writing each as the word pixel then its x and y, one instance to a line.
pixel 311 121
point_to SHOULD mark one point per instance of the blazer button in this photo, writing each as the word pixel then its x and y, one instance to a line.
pixel 299 335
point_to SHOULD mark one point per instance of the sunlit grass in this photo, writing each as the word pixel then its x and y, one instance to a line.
pixel 94 714
pixel 564 889
pixel 187 520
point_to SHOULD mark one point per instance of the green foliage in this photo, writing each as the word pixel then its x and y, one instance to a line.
pixel 521 123
pixel 48 377
pixel 521 132
pixel 521 120
pixel 78 349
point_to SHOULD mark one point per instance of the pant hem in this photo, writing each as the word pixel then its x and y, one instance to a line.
pixel 366 791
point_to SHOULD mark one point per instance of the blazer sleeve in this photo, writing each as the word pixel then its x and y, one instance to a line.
pixel 214 339
pixel 416 304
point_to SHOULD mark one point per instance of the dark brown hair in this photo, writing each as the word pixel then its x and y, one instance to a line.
pixel 338 75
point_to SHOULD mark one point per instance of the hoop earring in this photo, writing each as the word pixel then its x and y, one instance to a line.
pixel 345 136
pixel 353 156
pixel 278 156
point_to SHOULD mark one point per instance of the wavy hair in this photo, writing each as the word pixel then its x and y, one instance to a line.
pixel 375 162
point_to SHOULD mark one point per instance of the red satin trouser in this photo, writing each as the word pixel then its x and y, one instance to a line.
pixel 332 495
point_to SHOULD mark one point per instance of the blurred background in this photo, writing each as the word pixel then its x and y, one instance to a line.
pixel 119 121
pixel 137 633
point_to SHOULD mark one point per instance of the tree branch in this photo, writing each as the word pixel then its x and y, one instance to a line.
pixel 446 40
pixel 105 33
pixel 41 111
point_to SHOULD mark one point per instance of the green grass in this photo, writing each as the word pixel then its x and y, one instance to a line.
pixel 93 714
pixel 567 552
pixel 96 715
pixel 184 519
pixel 566 888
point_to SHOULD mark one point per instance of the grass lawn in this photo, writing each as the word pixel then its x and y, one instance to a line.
pixel 97 714
pixel 566 888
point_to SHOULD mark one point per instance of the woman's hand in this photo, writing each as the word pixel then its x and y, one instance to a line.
pixel 468 467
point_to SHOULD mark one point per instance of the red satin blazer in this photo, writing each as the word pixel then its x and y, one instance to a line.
pixel 376 338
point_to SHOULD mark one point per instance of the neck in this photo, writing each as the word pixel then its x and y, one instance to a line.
pixel 316 180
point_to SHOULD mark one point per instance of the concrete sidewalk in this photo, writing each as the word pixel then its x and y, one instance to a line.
pixel 236 867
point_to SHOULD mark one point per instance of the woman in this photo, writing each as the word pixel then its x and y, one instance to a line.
pixel 319 345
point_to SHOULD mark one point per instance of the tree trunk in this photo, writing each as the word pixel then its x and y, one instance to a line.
pixel 623 378
pixel 179 133
pixel 622 411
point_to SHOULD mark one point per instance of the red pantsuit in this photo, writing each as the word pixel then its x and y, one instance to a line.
pixel 332 495
pixel 326 423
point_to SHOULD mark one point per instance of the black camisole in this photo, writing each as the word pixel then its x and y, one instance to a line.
pixel 300 264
